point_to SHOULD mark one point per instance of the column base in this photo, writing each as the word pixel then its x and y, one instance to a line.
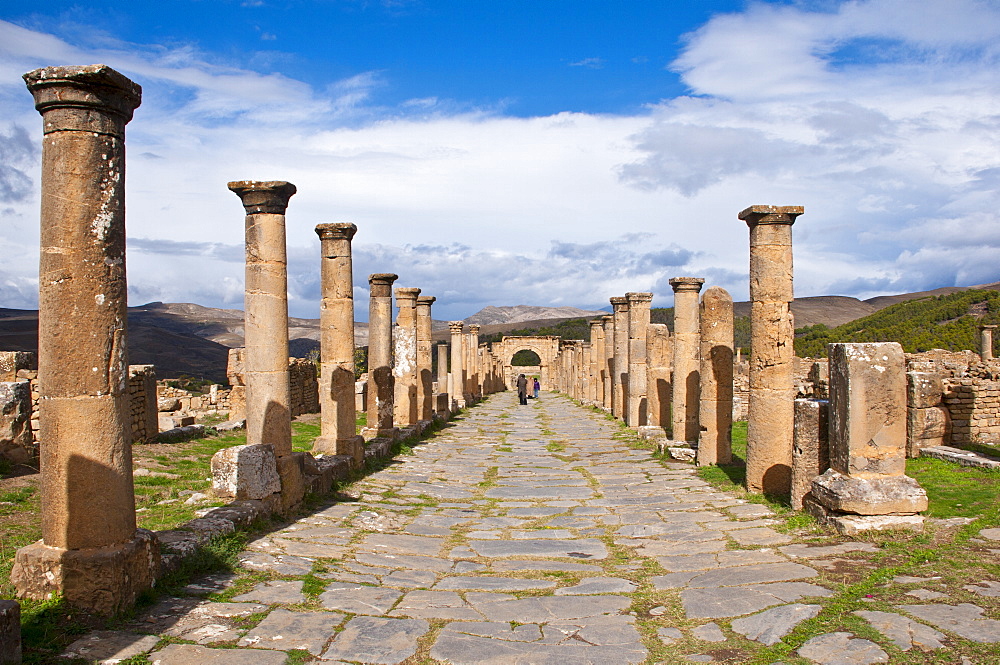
pixel 369 433
pixel 351 446
pixel 849 524
pixel 104 580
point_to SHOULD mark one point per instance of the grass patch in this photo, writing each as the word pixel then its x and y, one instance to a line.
pixel 304 433
pixel 555 447
pixel 953 490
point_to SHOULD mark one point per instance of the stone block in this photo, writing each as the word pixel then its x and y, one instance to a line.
pixel 810 446
pixel 168 404
pixel 929 426
pixel 15 421
pixel 867 409
pixel 12 362
pixel 869 496
pixel 924 389
pixel 10 633
pixel 651 432
pixel 104 580
pixel 246 472
pixel 292 472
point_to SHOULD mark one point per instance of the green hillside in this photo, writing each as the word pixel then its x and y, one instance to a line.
pixel 939 322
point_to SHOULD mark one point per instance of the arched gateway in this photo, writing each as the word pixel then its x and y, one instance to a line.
pixel 545 347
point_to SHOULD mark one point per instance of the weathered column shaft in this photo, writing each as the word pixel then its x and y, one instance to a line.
pixel 425 378
pixel 638 324
pixel 608 323
pixel 404 370
pixel 619 385
pixel 986 342
pixel 687 366
pixel 771 402
pixel 269 416
pixel 456 380
pixel 381 383
pixel 472 368
pixel 442 367
pixel 86 457
pixel 336 321
pixel 598 360
pixel 658 369
pixel 715 411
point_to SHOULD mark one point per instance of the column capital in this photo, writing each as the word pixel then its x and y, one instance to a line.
pixel 620 303
pixel 406 294
pixel 594 323
pixel 986 327
pixel 686 284
pixel 639 296
pixel 426 300
pixel 263 196
pixel 474 328
pixel 607 318
pixel 96 87
pixel 456 326
pixel 760 214
pixel 380 284
pixel 336 231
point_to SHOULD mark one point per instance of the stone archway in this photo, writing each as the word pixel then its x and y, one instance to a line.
pixel 545 347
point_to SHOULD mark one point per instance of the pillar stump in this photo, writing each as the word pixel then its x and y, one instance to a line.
pixel 404 370
pixel 425 378
pixel 91 552
pixel 986 341
pixel 456 378
pixel 637 408
pixel 336 382
pixel 608 323
pixel 715 408
pixel 687 366
pixel 442 378
pixel 865 486
pixel 381 383
pixel 658 369
pixel 598 361
pixel 619 383
pixel 771 402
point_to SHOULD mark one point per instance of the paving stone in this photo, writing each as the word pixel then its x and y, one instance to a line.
pixel 274 592
pixel 207 584
pixel 493 584
pixel 108 646
pixel 435 605
pixel 771 625
pixel 309 550
pixel 598 585
pixel 906 579
pixel 991 534
pixel 904 632
pixel 965 620
pixel 284 630
pixel 395 543
pixel 926 594
pixel 404 561
pixel 359 599
pixel 753 574
pixel 536 564
pixel 986 588
pixel 282 564
pixel 377 640
pixel 820 551
pixel 669 635
pixel 546 534
pixel 584 548
pixel 192 654
pixel 709 632
pixel 410 579
pixel 760 536
pixel 535 511
pixel 750 510
pixel 722 602
pixel 551 608
pixel 842 649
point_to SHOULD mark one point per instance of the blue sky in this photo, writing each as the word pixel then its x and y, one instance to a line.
pixel 533 152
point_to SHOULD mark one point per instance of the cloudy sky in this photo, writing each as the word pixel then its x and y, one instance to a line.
pixel 525 152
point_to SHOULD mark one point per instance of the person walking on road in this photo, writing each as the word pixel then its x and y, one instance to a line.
pixel 536 387
pixel 522 389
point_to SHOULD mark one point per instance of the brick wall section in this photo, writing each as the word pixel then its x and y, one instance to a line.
pixel 142 403
pixel 304 386
pixel 974 405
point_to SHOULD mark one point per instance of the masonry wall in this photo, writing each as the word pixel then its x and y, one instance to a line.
pixel 974 406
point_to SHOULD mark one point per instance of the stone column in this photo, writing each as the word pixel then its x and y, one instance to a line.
pixel 715 408
pixel 473 370
pixel 638 323
pixel 269 417
pixel 687 348
pixel 619 383
pixel 456 380
pixel 658 368
pixel 381 383
pixel 865 487
pixel 336 321
pixel 425 380
pixel 598 361
pixel 404 370
pixel 91 552
pixel 442 368
pixel 608 323
pixel 986 342
pixel 771 402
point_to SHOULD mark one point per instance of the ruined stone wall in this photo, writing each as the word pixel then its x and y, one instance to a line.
pixel 303 384
pixel 974 406
pixel 142 403
pixel 741 390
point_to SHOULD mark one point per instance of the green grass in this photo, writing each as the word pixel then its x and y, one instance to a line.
pixel 953 490
pixel 303 435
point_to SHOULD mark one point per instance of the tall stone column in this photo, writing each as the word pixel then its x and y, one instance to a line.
pixel 404 370
pixel 658 369
pixel 456 380
pixel 771 402
pixel 986 342
pixel 715 411
pixel 638 323
pixel 473 370
pixel 336 321
pixel 91 552
pixel 425 380
pixel 269 415
pixel 381 383
pixel 598 360
pixel 442 368
pixel 608 323
pixel 687 333
pixel 619 384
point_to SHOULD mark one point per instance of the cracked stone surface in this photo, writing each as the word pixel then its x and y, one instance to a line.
pixel 485 546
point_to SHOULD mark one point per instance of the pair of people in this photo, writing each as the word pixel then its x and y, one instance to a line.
pixel 522 388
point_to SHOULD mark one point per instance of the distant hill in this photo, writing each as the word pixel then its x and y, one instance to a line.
pixel 524 313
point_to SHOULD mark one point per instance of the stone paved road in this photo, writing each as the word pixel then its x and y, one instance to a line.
pixel 517 535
